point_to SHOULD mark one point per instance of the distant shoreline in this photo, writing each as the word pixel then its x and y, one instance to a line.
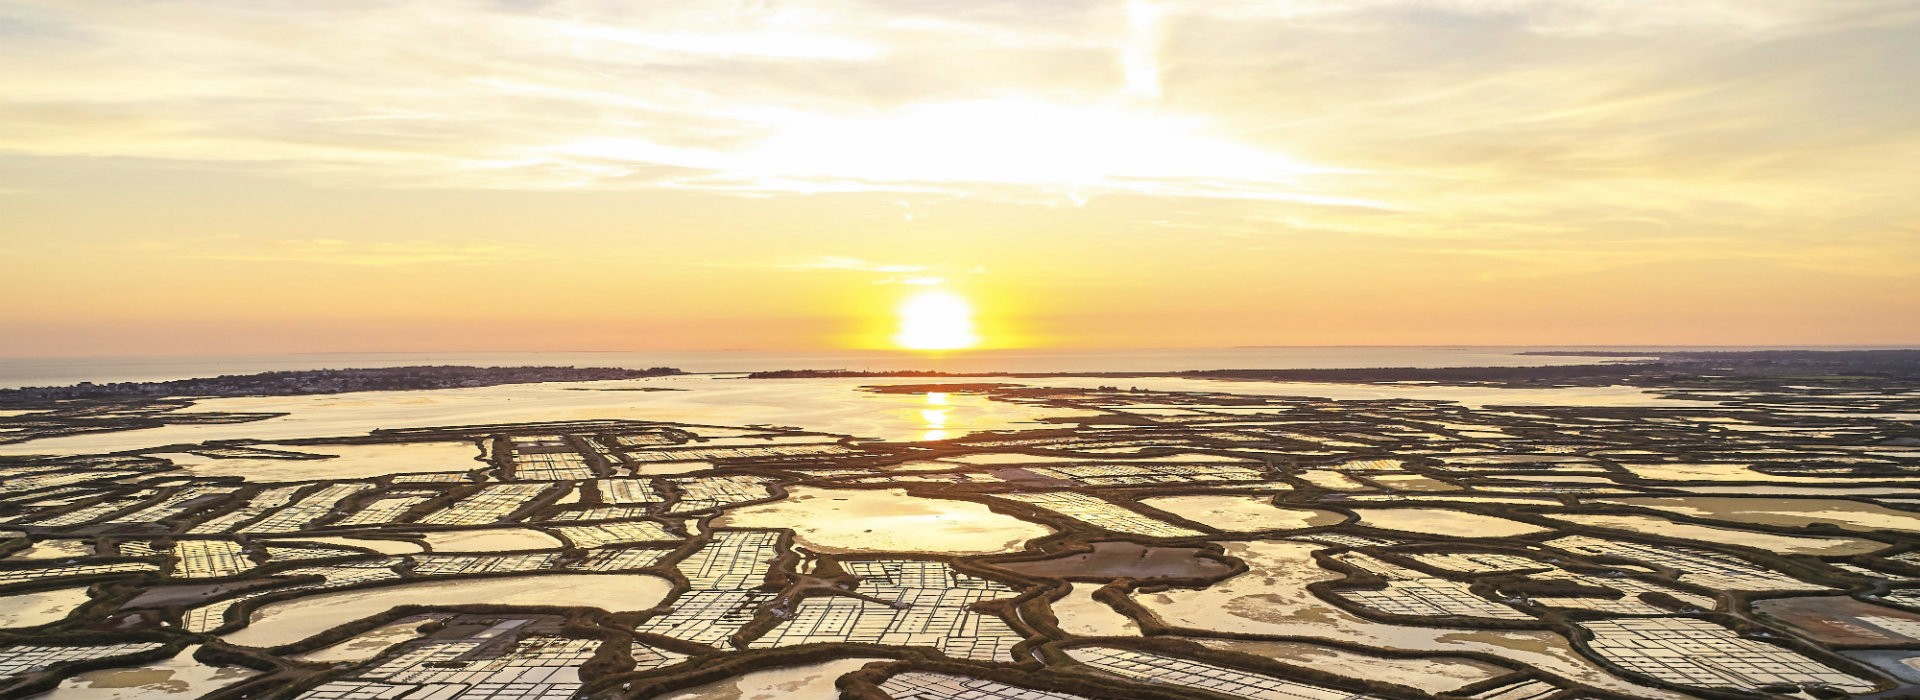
pixel 1901 364
pixel 44 372
pixel 1879 363
pixel 326 381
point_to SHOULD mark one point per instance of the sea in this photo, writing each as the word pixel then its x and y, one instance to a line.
pixel 19 372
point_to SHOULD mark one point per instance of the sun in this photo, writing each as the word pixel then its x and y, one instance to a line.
pixel 936 320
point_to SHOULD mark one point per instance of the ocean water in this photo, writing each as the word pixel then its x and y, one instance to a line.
pixel 839 406
pixel 18 372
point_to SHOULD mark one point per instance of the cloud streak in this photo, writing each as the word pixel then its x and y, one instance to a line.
pixel 333 251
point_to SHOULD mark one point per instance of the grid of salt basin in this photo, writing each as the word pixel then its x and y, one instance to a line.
pixel 492 504
pixel 927 604
pixel 500 662
pixel 1695 564
pixel 1099 513
pixel 724 575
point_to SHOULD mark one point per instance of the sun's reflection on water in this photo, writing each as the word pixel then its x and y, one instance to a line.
pixel 935 416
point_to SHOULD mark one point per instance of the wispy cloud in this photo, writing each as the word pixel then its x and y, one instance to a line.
pixel 834 97
pixel 835 262
pixel 1603 121
pixel 874 272
pixel 329 251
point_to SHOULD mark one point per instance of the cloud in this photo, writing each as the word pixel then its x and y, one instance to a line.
pixel 881 273
pixel 328 251
pixel 1429 118
pixel 835 97
pixel 834 262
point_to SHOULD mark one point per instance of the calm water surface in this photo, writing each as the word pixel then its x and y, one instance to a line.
pixel 831 405
pixel 15 372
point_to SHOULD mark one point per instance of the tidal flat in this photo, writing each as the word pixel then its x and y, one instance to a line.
pixel 1242 513
pixel 847 521
pixel 178 677
pixel 324 461
pixel 1659 537
pixel 279 623
pixel 1785 512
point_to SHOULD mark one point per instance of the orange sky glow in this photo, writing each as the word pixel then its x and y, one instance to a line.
pixel 227 177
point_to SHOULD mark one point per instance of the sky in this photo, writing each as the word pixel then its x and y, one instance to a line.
pixel 221 177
